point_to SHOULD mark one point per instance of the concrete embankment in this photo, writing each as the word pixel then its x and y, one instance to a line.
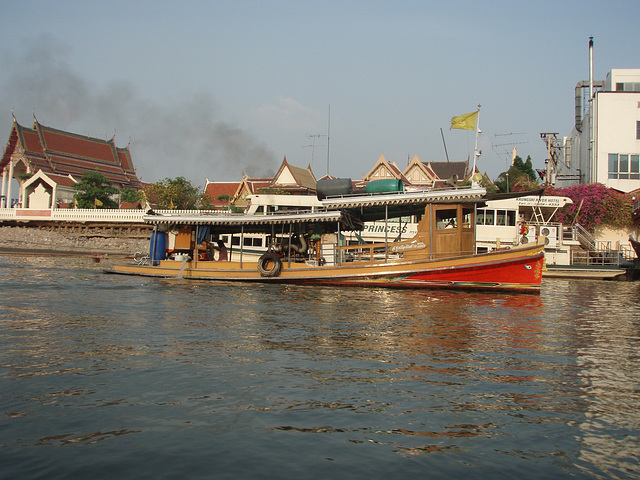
pixel 34 240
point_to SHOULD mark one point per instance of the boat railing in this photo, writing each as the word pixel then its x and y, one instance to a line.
pixel 367 252
pixel 601 258
pixel 585 238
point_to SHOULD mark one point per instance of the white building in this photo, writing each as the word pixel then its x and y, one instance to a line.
pixel 604 146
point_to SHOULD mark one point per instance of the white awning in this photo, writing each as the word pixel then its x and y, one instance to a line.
pixel 461 195
pixel 239 220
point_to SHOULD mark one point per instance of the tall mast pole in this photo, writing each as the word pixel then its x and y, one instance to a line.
pixel 476 154
pixel 592 116
pixel 328 138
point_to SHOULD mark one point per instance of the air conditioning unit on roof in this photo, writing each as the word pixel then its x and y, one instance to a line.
pixel 552 236
pixel 530 235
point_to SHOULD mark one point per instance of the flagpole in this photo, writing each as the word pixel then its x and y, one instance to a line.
pixel 475 150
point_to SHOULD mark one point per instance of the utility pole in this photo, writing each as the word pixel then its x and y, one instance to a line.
pixel 554 146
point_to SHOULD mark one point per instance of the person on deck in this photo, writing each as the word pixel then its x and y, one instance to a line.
pixel 222 256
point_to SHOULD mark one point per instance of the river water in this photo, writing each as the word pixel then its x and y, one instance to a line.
pixel 106 376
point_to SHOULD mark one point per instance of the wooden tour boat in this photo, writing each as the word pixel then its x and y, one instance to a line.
pixel 307 247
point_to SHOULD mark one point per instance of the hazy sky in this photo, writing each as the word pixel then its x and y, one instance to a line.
pixel 209 88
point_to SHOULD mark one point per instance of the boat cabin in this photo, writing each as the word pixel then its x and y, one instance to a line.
pixel 509 222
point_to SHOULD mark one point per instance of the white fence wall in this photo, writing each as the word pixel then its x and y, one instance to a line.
pixel 87 214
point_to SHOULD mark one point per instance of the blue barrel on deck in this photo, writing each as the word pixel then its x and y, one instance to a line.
pixel 389 185
pixel 157 247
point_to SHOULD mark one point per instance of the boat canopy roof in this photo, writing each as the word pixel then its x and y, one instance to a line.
pixel 350 211
pixel 231 223
pixel 376 207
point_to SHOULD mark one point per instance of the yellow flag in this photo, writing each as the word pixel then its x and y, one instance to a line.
pixel 464 122
pixel 98 203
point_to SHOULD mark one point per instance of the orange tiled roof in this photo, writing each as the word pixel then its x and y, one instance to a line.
pixel 63 153
pixel 214 189
pixel 63 180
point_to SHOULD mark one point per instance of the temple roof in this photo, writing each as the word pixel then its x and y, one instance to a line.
pixel 384 169
pixel 64 153
pixel 213 190
pixel 445 170
pixel 294 178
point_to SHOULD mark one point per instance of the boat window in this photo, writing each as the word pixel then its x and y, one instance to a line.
pixel 506 218
pixel 501 218
pixel 489 218
pixel 235 241
pixel 480 217
pixel 446 218
pixel 467 215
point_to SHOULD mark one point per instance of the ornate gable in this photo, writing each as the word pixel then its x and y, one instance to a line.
pixel 249 186
pixel 295 179
pixel 418 173
pixel 42 190
pixel 383 170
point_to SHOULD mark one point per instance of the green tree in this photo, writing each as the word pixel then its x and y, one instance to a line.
pixel 131 195
pixel 95 191
pixel 176 193
pixel 204 202
pixel 226 198
pixel 520 176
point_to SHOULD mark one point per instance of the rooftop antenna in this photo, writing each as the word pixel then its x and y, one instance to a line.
pixel 313 145
pixel 505 145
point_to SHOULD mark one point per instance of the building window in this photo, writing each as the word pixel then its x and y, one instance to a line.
pixel 628 87
pixel 624 166
pixel 638 130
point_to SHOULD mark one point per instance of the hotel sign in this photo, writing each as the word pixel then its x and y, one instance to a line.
pixel 550 202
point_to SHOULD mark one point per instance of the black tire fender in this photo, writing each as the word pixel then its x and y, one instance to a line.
pixel 269 265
